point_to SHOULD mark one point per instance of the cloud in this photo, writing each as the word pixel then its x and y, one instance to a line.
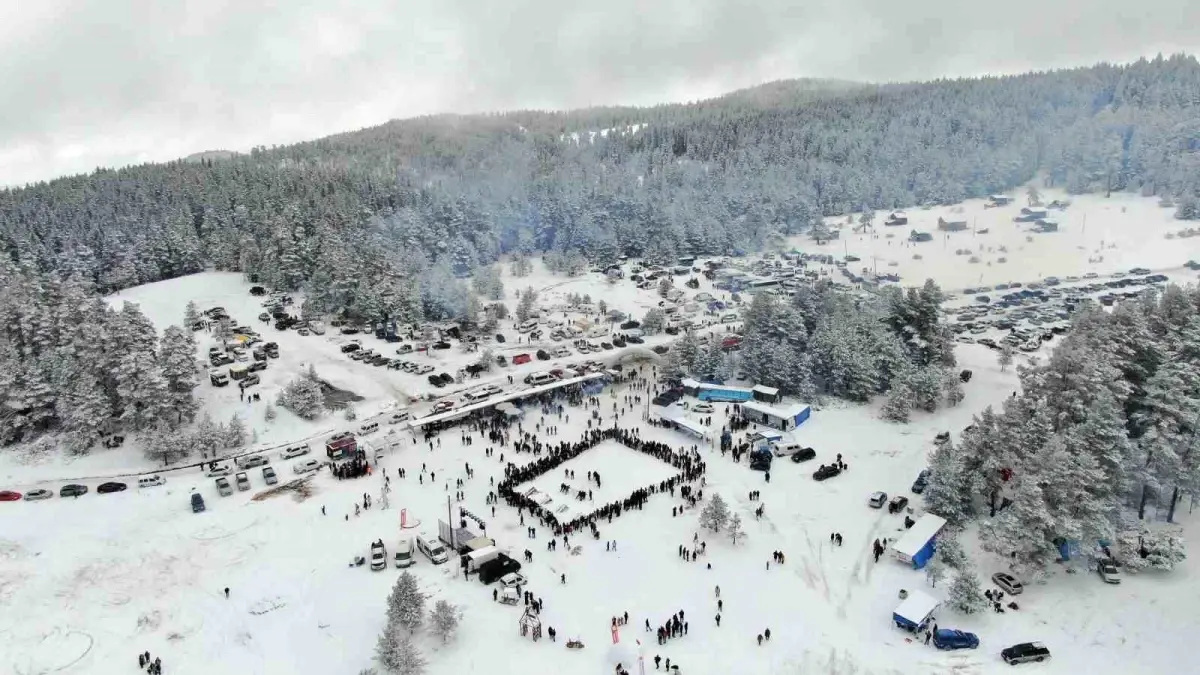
pixel 91 82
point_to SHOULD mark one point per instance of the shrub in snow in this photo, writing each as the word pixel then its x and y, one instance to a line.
pixel 715 514
pixel 444 619
pixel 349 415
pixel 966 592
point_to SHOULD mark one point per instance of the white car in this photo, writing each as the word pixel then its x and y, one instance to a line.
pixel 1109 572
pixel 307 466
pixel 443 406
pixel 219 470
pixel 38 494
pixel 421 370
pixel 877 500
pixel 702 408
pixel 290 453
pixel 512 580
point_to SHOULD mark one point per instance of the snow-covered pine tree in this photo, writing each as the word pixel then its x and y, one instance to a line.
pixel 947 493
pixel 141 389
pixel 177 358
pixel 935 571
pixel 715 514
pixel 654 322
pixel 235 432
pixel 444 619
pixel 303 397
pixel 526 305
pixel 163 444
pixel 408 658
pixel 191 315
pixel 966 592
pixel 950 550
pixel 406 604
pixel 898 404
pixel 735 529
pixel 952 388
pixel 664 286
pixel 1005 357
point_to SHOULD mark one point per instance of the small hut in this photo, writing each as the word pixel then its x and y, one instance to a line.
pixel 531 625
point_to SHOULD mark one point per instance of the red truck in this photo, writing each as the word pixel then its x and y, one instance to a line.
pixel 731 343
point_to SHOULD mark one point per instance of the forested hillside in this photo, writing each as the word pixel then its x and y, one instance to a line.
pixel 369 217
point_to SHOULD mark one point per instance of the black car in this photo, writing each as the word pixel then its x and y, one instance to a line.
pixel 543 355
pixel 352 347
pixel 257 365
pixel 446 379
pixel 634 340
pixel 628 325
pixel 441 345
pixel 257 290
pixel 73 490
pixel 660 349
pixel 1026 651
pixel 803 455
pixel 826 471
pixel 436 380
pixel 113 486
pixel 921 482
pixel 499 338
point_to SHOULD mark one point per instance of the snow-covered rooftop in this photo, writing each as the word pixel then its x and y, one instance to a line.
pixel 919 534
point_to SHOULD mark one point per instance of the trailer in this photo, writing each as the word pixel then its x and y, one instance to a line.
pixel 915 612
pixel 918 545
pixel 341 448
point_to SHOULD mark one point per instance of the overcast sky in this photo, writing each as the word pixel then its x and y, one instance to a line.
pixel 111 82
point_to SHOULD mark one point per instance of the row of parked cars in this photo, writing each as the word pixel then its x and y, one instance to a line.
pixel 78 489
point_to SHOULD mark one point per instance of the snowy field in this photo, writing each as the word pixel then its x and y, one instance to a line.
pixel 87 583
pixel 1096 234
pixel 621 472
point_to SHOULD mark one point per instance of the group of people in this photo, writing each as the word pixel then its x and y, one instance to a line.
pixel 152 667
pixel 355 467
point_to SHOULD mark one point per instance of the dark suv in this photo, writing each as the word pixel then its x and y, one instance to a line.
pixel 1026 651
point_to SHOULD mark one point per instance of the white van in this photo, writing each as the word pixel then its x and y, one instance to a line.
pixel 239 371
pixel 368 428
pixel 538 379
pixel 404 553
pixel 398 417
pixel 527 326
pixel 151 481
pixel 597 331
pixel 785 449
pixel 476 396
pixel 729 318
pixel 251 461
pixel 317 327
pixel 432 548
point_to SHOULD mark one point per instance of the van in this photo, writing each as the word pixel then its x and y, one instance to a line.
pixel 785 449
pixel 317 327
pixel 218 378
pixel 538 379
pixel 404 553
pixel 243 481
pixel 432 548
pixel 223 487
pixel 368 428
pixel 728 318
pixel 239 371
pixel 251 461
pixel 477 559
pixel 527 326
pixel 597 331
pixel 269 475
pixel 398 417
pixel 560 352
pixel 151 481
pixel 197 502
pixel 476 396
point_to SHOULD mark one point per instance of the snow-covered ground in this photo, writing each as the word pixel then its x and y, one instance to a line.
pixel 86 583
pixel 1096 234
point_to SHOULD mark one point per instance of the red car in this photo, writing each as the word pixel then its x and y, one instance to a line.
pixel 9 496
pixel 521 358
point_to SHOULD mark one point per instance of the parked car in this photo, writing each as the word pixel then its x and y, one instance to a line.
pixel 219 470
pixel 151 481
pixel 295 451
pixel 73 490
pixel 877 500
pixel 826 472
pixel 110 487
pixel 513 579
pixel 351 347
pixel 269 475
pixel 197 502
pixel 803 455
pixel 37 495
pixel 921 482
pixel 1025 652
pixel 954 639
pixel 223 487
pixel 702 408
pixel 307 466
pixel 10 496
pixel 1109 572
pixel 898 504
pixel 243 481
pixel 443 406
pixel 1008 583
pixel 378 556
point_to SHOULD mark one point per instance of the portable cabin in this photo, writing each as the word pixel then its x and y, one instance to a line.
pixel 784 419
pixel 764 394
pixel 341 448
pixel 915 612
pixel 951 225
pixel 918 545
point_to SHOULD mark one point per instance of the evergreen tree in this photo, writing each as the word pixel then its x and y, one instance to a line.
pixel 191 315
pixel 935 571
pixel 163 444
pixel 235 432
pixel 715 514
pixel 141 389
pixel 177 357
pixel 406 604
pixel 966 592
pixel 735 529
pixel 444 619
pixel 898 403
pixel 1005 357
pixel 303 397
pixel 654 322
pixel 947 493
